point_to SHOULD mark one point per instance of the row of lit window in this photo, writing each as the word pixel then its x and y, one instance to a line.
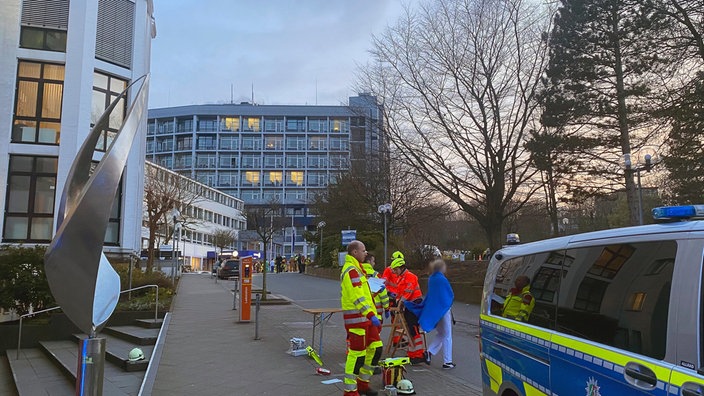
pixel 249 124
pixel 296 143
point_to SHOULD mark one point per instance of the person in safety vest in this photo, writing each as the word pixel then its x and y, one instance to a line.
pixel 361 323
pixel 409 290
pixel 381 298
pixel 391 279
pixel 519 303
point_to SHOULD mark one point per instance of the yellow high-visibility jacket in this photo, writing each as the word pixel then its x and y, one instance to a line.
pixel 381 299
pixel 357 302
pixel 519 304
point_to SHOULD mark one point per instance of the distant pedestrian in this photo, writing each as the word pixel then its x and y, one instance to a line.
pixel 434 312
pixel 271 265
pixel 301 264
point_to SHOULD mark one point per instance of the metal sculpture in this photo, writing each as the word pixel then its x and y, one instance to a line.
pixel 81 279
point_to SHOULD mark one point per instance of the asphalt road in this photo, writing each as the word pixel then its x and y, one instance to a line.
pixel 311 292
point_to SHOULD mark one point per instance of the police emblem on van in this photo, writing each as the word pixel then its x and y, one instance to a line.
pixel 592 387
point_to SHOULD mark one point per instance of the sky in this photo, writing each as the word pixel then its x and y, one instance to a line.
pixel 282 47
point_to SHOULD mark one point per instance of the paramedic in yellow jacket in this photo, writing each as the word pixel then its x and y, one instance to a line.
pixel 361 323
pixel 381 299
pixel 519 303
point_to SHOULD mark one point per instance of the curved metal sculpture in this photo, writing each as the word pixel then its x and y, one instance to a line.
pixel 81 279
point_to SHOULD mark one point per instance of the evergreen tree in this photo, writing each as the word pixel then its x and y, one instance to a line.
pixel 600 81
pixel 686 146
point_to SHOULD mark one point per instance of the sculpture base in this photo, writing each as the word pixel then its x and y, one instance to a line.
pixel 91 367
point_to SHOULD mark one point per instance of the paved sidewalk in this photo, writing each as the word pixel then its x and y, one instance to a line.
pixel 208 353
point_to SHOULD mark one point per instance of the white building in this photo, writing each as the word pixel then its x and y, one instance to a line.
pixel 206 211
pixel 62 62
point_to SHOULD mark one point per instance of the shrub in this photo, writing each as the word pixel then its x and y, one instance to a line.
pixel 23 283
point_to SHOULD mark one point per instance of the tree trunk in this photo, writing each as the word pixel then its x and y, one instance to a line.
pixel 150 248
pixel 264 271
pixel 625 138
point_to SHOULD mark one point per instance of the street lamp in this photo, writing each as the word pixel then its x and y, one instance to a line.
pixel 649 161
pixel 385 209
pixel 175 214
pixel 321 225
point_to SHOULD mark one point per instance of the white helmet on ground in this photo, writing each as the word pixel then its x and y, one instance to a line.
pixel 135 354
pixel 405 387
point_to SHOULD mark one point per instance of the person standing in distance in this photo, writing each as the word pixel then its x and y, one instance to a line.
pixel 364 345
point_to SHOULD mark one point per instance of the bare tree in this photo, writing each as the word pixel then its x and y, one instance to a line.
pixel 165 190
pixel 224 237
pixel 264 220
pixel 458 80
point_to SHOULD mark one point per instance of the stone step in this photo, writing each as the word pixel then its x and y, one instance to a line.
pixel 34 374
pixel 135 334
pixel 149 323
pixel 7 385
pixel 65 355
pixel 117 352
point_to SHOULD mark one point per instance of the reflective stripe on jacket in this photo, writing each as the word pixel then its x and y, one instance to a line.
pixel 519 304
pixel 356 301
pixel 408 287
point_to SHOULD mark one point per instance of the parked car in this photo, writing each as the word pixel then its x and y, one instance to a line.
pixel 229 268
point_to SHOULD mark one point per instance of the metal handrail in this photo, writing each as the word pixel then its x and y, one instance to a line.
pixel 19 332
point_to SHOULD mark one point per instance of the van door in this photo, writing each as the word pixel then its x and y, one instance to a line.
pixel 688 377
pixel 516 350
pixel 612 320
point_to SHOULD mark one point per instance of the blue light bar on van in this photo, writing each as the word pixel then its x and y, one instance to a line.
pixel 678 212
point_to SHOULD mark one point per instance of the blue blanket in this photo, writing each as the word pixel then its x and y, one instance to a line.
pixel 435 304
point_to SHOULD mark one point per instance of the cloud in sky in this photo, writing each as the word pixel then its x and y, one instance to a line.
pixel 281 46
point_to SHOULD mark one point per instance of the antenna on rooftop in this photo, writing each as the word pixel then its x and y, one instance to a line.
pixel 232 93
pixel 316 91
pixel 252 92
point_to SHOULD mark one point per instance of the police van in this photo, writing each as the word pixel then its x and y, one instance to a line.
pixel 614 312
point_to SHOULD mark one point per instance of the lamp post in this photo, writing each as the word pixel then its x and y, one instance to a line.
pixel 321 225
pixel 385 209
pixel 647 165
pixel 175 214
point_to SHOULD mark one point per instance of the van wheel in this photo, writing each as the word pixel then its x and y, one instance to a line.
pixel 509 392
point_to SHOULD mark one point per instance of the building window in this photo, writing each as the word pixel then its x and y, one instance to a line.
pixel 43 39
pixel 38 103
pixel 296 124
pixel 251 124
pixel 251 161
pixel 273 178
pixel 230 124
pixel 273 124
pixel 112 233
pixel 228 160
pixel 251 143
pixel 274 143
pixel 294 178
pixel 207 125
pixel 29 208
pixel 114 33
pixel 106 89
pixel 295 161
pixel 184 125
pixel 273 161
pixel 250 178
pixel 229 142
pixel 317 143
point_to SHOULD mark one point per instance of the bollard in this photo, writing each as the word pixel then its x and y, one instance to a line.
pixel 236 291
pixel 256 316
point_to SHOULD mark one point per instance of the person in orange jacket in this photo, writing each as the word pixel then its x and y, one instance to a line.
pixel 409 290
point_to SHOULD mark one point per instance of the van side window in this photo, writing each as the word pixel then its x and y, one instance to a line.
pixel 619 295
pixel 544 272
